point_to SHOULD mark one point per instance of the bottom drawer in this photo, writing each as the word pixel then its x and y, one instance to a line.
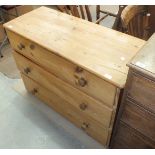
pixel 139 118
pixel 90 126
pixel 128 138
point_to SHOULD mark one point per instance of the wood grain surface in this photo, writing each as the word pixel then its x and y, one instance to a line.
pixel 94 109
pixel 67 71
pixel 99 50
pixel 88 125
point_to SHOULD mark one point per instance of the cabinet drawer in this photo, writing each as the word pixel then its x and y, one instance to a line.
pixel 142 90
pixel 128 138
pixel 78 99
pixel 139 118
pixel 65 70
pixel 90 126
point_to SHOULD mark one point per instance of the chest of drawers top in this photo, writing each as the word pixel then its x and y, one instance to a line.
pixel 144 60
pixel 101 51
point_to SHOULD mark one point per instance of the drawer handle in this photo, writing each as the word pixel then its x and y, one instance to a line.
pixel 84 126
pixel 27 70
pixel 78 69
pixel 32 47
pixel 34 91
pixel 83 106
pixel 81 82
pixel 20 46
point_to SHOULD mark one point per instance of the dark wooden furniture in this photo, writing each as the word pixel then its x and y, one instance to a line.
pixel 135 124
pixel 117 15
pixel 81 11
pixel 4 11
pixel 135 21
pixel 151 10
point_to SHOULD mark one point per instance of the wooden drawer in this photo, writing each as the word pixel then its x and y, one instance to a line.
pixel 78 99
pixel 90 126
pixel 128 138
pixel 142 90
pixel 139 118
pixel 65 70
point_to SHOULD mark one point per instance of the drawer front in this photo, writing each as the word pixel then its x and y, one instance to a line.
pixel 77 98
pixel 128 138
pixel 90 126
pixel 142 90
pixel 139 118
pixel 65 70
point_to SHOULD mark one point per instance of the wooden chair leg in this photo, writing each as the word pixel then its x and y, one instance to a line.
pixel 82 12
pixel 2 45
pixel 118 20
pixel 97 12
pixel 100 19
pixel 88 13
pixel 61 8
pixel 146 27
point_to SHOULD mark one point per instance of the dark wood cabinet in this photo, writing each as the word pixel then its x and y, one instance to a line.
pixel 151 10
pixel 135 123
pixel 127 138
pixel 139 118
pixel 142 90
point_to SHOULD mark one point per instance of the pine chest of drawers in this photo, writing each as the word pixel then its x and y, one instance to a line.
pixel 76 67
pixel 135 127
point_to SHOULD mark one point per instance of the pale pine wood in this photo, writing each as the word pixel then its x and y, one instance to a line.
pixel 73 61
pixel 71 113
pixel 65 70
pixel 97 49
pixel 95 110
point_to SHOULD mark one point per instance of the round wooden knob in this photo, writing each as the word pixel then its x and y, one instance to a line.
pixel 34 91
pixel 84 126
pixel 83 106
pixel 27 70
pixel 21 46
pixel 82 82
pixel 32 46
pixel 78 69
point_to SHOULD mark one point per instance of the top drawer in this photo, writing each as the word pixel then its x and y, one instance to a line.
pixel 142 90
pixel 65 70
